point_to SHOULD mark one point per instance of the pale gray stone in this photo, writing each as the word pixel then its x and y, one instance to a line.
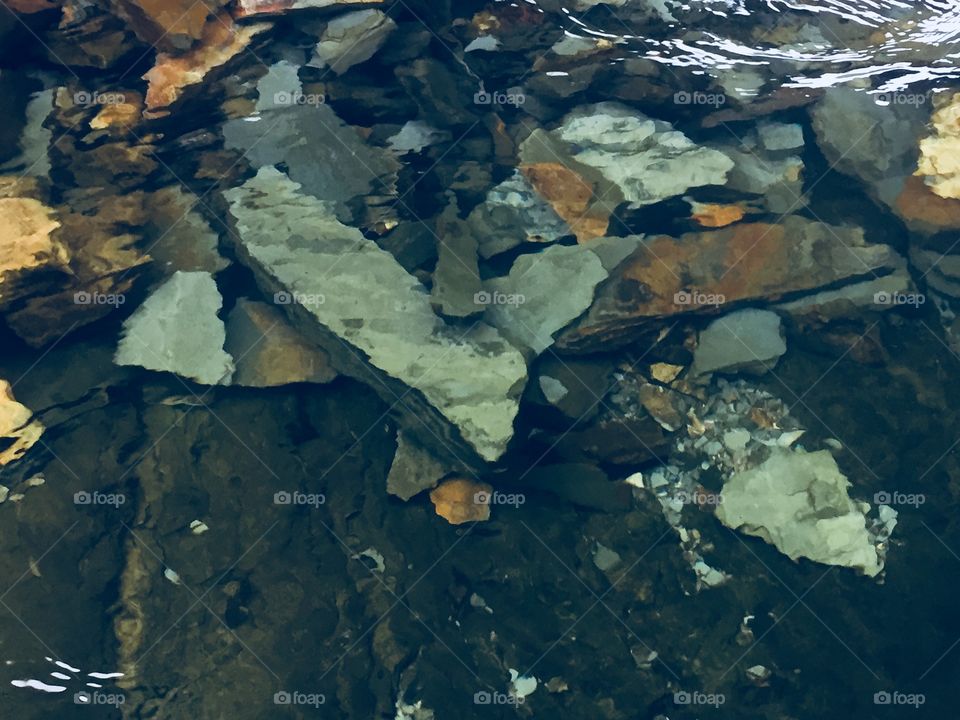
pixel 352 39
pixel 414 469
pixel 647 159
pixel 177 330
pixel 543 293
pixel 799 502
pixel 375 319
pixel 743 340
pixel 414 136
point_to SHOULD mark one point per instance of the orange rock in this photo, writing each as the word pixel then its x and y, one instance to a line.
pixel 570 196
pixel 119 116
pixel 169 24
pixel 459 501
pixel 714 215
pixel 26 244
pixel 28 7
pixel 222 40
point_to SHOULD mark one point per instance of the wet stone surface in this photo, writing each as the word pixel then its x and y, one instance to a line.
pixel 417 360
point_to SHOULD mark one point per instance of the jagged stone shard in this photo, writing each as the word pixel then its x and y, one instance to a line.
pixel 352 39
pixel 26 226
pixel 268 352
pixel 18 433
pixel 372 314
pixel 414 469
pixel 745 340
pixel 798 502
pixel 177 330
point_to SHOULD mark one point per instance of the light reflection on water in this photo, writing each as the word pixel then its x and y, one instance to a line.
pixel 890 44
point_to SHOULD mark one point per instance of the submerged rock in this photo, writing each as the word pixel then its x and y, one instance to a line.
pixel 171 75
pixel 414 469
pixel 461 501
pixel 456 279
pixel 352 39
pixel 177 330
pixel 798 502
pixel 18 431
pixel 745 340
pixel 939 152
pixel 667 276
pixel 268 352
pixel 251 8
pixel 26 244
pixel 526 306
pixel 645 158
pixel 375 318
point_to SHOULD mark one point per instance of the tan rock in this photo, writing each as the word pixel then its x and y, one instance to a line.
pixel 714 215
pixel 461 501
pixel 268 352
pixel 28 7
pixel 665 372
pixel 940 153
pixel 169 24
pixel 26 243
pixel 220 42
pixel 16 429
pixel 119 116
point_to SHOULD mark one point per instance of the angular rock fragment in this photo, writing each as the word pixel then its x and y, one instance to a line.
pixel 798 502
pixel 514 213
pixel 745 340
pixel 177 330
pixel 456 279
pixel 177 235
pixel 351 39
pixel 571 198
pixel 646 159
pixel 526 306
pixel 26 244
pixel 461 501
pixel 323 154
pixel 939 152
pixel 376 319
pixel 268 352
pixel 252 8
pixel 18 432
pixel 171 75
pixel 701 271
pixel 414 469
pixel 169 24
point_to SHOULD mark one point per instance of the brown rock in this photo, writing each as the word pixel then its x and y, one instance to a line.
pixel 570 196
pixel 461 501
pixel 169 24
pixel 26 244
pixel 28 7
pixel 268 352
pixel 924 211
pixel 668 276
pixel 220 42
pixel 18 433
pixel 714 215
pixel 119 116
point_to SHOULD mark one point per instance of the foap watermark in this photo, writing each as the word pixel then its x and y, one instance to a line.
pixel 701 498
pixel 511 96
pixel 699 98
pixel 99 298
pixel 85 697
pixel 498 298
pixel 684 697
pixel 898 298
pixel 896 497
pixel 897 98
pixel 482 697
pixel 288 298
pixel 898 698
pixel 499 498
pixel 89 98
pixel 98 498
pixel 299 498
pixel 295 697
pixel 289 99
pixel 695 298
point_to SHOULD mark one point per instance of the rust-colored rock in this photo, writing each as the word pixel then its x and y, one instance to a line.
pixel 702 271
pixel 924 211
pixel 461 501
pixel 169 24
pixel 28 7
pixel 119 116
pixel 221 41
pixel 715 215
pixel 17 431
pixel 570 196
